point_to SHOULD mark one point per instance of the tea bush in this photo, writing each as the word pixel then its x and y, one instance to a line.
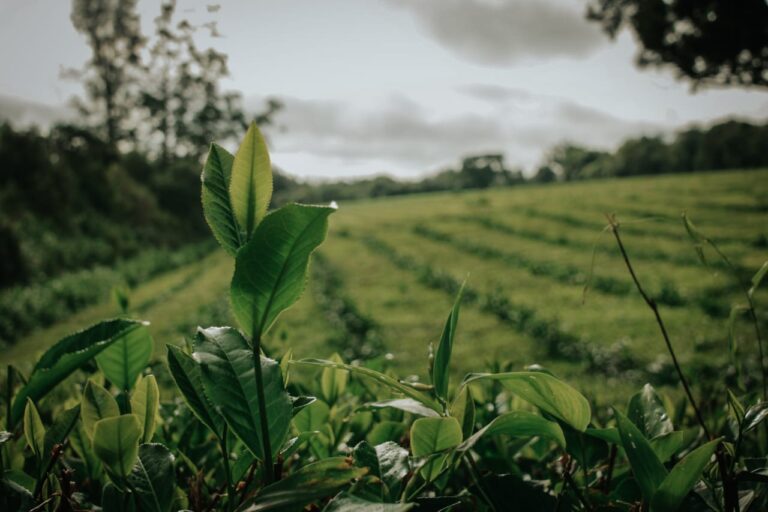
pixel 243 431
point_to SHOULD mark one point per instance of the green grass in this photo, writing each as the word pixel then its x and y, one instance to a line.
pixel 552 225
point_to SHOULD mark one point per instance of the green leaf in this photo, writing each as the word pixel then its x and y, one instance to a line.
pixel 34 431
pixel 116 444
pixel 250 186
pixel 333 382
pixel 125 359
pixel 65 357
pixel 393 466
pixel 84 449
pixel 189 380
pixel 546 392
pixel 758 278
pixel 408 405
pixel 153 480
pixel 442 361
pixel 463 409
pixel 217 208
pixel 681 479
pixel 62 426
pixel 312 418
pixel 433 435
pixel 754 416
pixel 98 404
pixel 271 269
pixel 229 379
pixel 671 443
pixel 379 377
pixel 647 412
pixel 345 502
pixel 518 424
pixel 145 403
pixel 384 431
pixel 648 470
pixel 307 485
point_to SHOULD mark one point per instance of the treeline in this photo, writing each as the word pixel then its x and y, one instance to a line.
pixel 727 145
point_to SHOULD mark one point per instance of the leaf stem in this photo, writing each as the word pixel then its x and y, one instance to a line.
pixel 227 472
pixel 269 472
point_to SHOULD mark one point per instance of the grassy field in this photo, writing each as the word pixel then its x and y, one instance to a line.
pixel 385 279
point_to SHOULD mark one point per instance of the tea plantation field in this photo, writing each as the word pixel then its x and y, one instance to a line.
pixel 385 279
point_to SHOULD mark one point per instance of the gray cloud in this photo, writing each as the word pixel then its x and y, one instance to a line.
pixel 502 32
pixel 403 136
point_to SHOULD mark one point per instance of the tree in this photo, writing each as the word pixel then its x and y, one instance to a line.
pixel 569 161
pixel 710 42
pixel 113 32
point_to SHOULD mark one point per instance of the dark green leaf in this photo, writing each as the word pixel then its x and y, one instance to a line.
pixel 433 435
pixel 384 431
pixel 66 356
pixel 546 392
pixel 345 502
pixel 250 186
pixel 189 380
pixel 307 485
pixel 648 470
pixel 216 205
pixel 681 479
pixel 312 418
pixel 393 466
pixel 271 269
pixel 63 424
pixel 442 361
pixel 153 479
pixel 463 409
pixel 755 415
pixel 229 379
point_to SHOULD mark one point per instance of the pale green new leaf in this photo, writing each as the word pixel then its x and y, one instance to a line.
pixel 647 412
pixel 65 357
pixel 98 404
pixel 463 409
pixel 229 379
pixel 646 466
pixel 34 431
pixel 408 405
pixel 442 360
pixel 271 269
pixel 145 403
pixel 216 203
pixel 546 392
pixel 250 186
pixel 681 479
pixel 152 479
pixel 188 378
pixel 125 359
pixel 333 382
pixel 433 435
pixel 312 417
pixel 379 377
pixel 116 444
pixel 518 424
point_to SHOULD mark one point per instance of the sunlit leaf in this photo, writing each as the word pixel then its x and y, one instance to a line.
pixel 145 403
pixel 217 209
pixel 98 404
pixel 442 360
pixel 681 479
pixel 518 424
pixel 250 185
pixel 125 359
pixel 116 444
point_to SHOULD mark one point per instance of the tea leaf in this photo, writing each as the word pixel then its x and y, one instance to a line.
pixel 271 269
pixel 350 503
pixel 34 431
pixel 153 479
pixel 682 478
pixel 648 470
pixel 250 186
pixel 333 382
pixel 98 404
pixel 217 209
pixel 229 380
pixel 442 359
pixel 647 412
pixel 145 403
pixel 66 356
pixel 116 444
pixel 518 424
pixel 433 435
pixel 463 409
pixel 125 359
pixel 546 392
pixel 189 380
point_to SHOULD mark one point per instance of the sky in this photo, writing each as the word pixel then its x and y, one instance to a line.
pixel 402 87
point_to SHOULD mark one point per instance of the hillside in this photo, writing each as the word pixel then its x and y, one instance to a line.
pixel 390 267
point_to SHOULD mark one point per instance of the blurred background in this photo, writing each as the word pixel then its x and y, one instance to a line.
pixel 459 136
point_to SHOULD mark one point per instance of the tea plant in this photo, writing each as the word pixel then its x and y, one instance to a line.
pixel 242 431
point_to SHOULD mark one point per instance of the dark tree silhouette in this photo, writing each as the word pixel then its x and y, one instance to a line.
pixel 710 42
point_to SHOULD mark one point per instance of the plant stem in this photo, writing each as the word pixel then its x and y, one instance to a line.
pixel 55 454
pixel 730 491
pixel 227 472
pixel 652 304
pixel 269 471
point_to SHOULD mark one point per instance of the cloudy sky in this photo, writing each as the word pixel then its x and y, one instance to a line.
pixel 402 87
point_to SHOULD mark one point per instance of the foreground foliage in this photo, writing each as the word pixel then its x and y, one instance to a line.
pixel 250 433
